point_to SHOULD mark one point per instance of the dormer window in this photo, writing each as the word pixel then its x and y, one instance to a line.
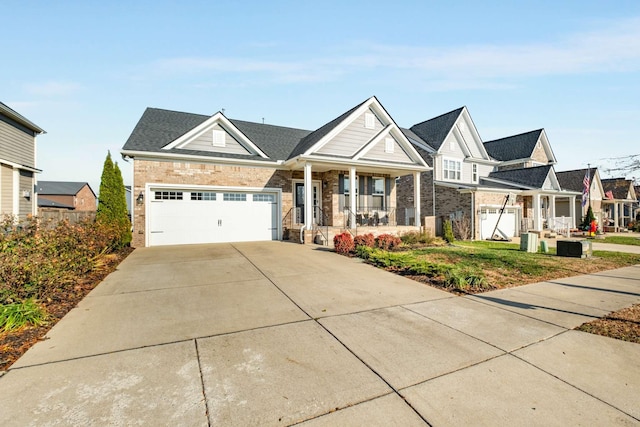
pixel 218 138
pixel 369 121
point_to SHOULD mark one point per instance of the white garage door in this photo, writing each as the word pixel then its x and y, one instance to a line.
pixel 178 217
pixel 489 219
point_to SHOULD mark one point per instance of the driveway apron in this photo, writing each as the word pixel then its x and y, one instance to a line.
pixel 274 333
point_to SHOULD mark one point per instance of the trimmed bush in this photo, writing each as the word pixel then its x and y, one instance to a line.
pixel 415 237
pixel 343 243
pixel 365 240
pixel 387 242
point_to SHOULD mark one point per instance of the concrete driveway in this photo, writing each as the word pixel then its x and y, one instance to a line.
pixel 278 333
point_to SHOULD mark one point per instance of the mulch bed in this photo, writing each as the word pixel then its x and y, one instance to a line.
pixel 14 344
pixel 623 325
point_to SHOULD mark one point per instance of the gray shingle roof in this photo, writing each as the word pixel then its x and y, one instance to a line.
pixel 618 186
pixel 413 138
pixel 157 128
pixel 60 188
pixel 434 131
pixel 573 180
pixel 528 177
pixel 513 147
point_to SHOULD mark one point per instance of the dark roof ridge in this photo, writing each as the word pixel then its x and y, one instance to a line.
pixel 514 136
pixel 441 115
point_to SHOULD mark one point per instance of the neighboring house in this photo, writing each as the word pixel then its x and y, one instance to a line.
pixel 201 179
pixel 619 202
pixel 76 196
pixel 636 188
pixel 17 163
pixel 573 180
pixel 127 189
pixel 502 187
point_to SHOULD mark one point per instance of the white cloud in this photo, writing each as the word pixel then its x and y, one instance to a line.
pixel 615 48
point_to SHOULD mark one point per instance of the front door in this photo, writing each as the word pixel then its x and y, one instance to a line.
pixel 299 201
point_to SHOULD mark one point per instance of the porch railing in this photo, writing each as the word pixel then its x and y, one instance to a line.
pixel 321 223
pixel 561 225
pixel 369 217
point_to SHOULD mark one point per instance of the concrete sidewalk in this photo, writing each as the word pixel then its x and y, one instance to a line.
pixel 278 334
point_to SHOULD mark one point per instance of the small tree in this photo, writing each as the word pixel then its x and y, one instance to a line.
pixel 447 232
pixel 586 222
pixel 112 203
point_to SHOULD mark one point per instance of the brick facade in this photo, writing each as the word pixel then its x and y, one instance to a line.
pixel 187 174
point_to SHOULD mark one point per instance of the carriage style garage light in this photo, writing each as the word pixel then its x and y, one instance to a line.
pixel 140 198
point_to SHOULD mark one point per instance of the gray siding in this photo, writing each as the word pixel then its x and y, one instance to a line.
pixel 26 184
pixel 205 143
pixel 352 138
pixel 378 153
pixel 16 145
pixel 6 190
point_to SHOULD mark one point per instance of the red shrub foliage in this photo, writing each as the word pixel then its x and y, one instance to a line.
pixel 343 243
pixel 387 241
pixel 365 240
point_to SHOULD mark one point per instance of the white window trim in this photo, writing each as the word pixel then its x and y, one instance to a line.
pixel 389 144
pixel 458 170
pixel 218 138
pixel 474 173
pixel 369 121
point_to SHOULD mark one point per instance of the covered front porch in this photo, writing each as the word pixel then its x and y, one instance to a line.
pixel 539 213
pixel 328 199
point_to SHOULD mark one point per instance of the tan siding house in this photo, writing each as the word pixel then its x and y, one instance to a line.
pixel 17 163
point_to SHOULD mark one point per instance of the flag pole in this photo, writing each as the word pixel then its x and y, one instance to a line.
pixel 589 175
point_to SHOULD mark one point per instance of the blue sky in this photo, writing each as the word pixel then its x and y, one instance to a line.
pixel 86 70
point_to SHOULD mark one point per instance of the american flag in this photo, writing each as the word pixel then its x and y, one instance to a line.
pixel 609 195
pixel 585 190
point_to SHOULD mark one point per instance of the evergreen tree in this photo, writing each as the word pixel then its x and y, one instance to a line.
pixel 586 222
pixel 106 195
pixel 447 232
pixel 112 203
pixel 121 206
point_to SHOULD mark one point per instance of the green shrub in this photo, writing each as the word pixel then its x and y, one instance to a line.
pixel 365 240
pixel 387 241
pixel 57 253
pixel 447 232
pixel 363 251
pixel 416 237
pixel 343 243
pixel 19 314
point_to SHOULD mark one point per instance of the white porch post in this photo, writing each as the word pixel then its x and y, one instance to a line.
pixel 353 198
pixel 416 198
pixel 308 197
pixel 572 210
pixel 615 216
pixel 552 206
pixel 537 214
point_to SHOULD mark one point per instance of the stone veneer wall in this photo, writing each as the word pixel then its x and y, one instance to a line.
pixel 186 174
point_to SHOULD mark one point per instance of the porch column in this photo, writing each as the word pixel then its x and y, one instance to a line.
pixel 352 196
pixel 615 216
pixel 416 198
pixel 552 207
pixel 308 197
pixel 572 210
pixel 537 214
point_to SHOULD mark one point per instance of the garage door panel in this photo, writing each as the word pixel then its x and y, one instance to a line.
pixel 231 217
pixel 490 217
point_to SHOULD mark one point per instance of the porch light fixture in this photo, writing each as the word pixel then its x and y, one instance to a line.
pixel 140 198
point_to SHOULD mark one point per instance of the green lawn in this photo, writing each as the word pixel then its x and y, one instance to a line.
pixel 622 240
pixel 480 265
